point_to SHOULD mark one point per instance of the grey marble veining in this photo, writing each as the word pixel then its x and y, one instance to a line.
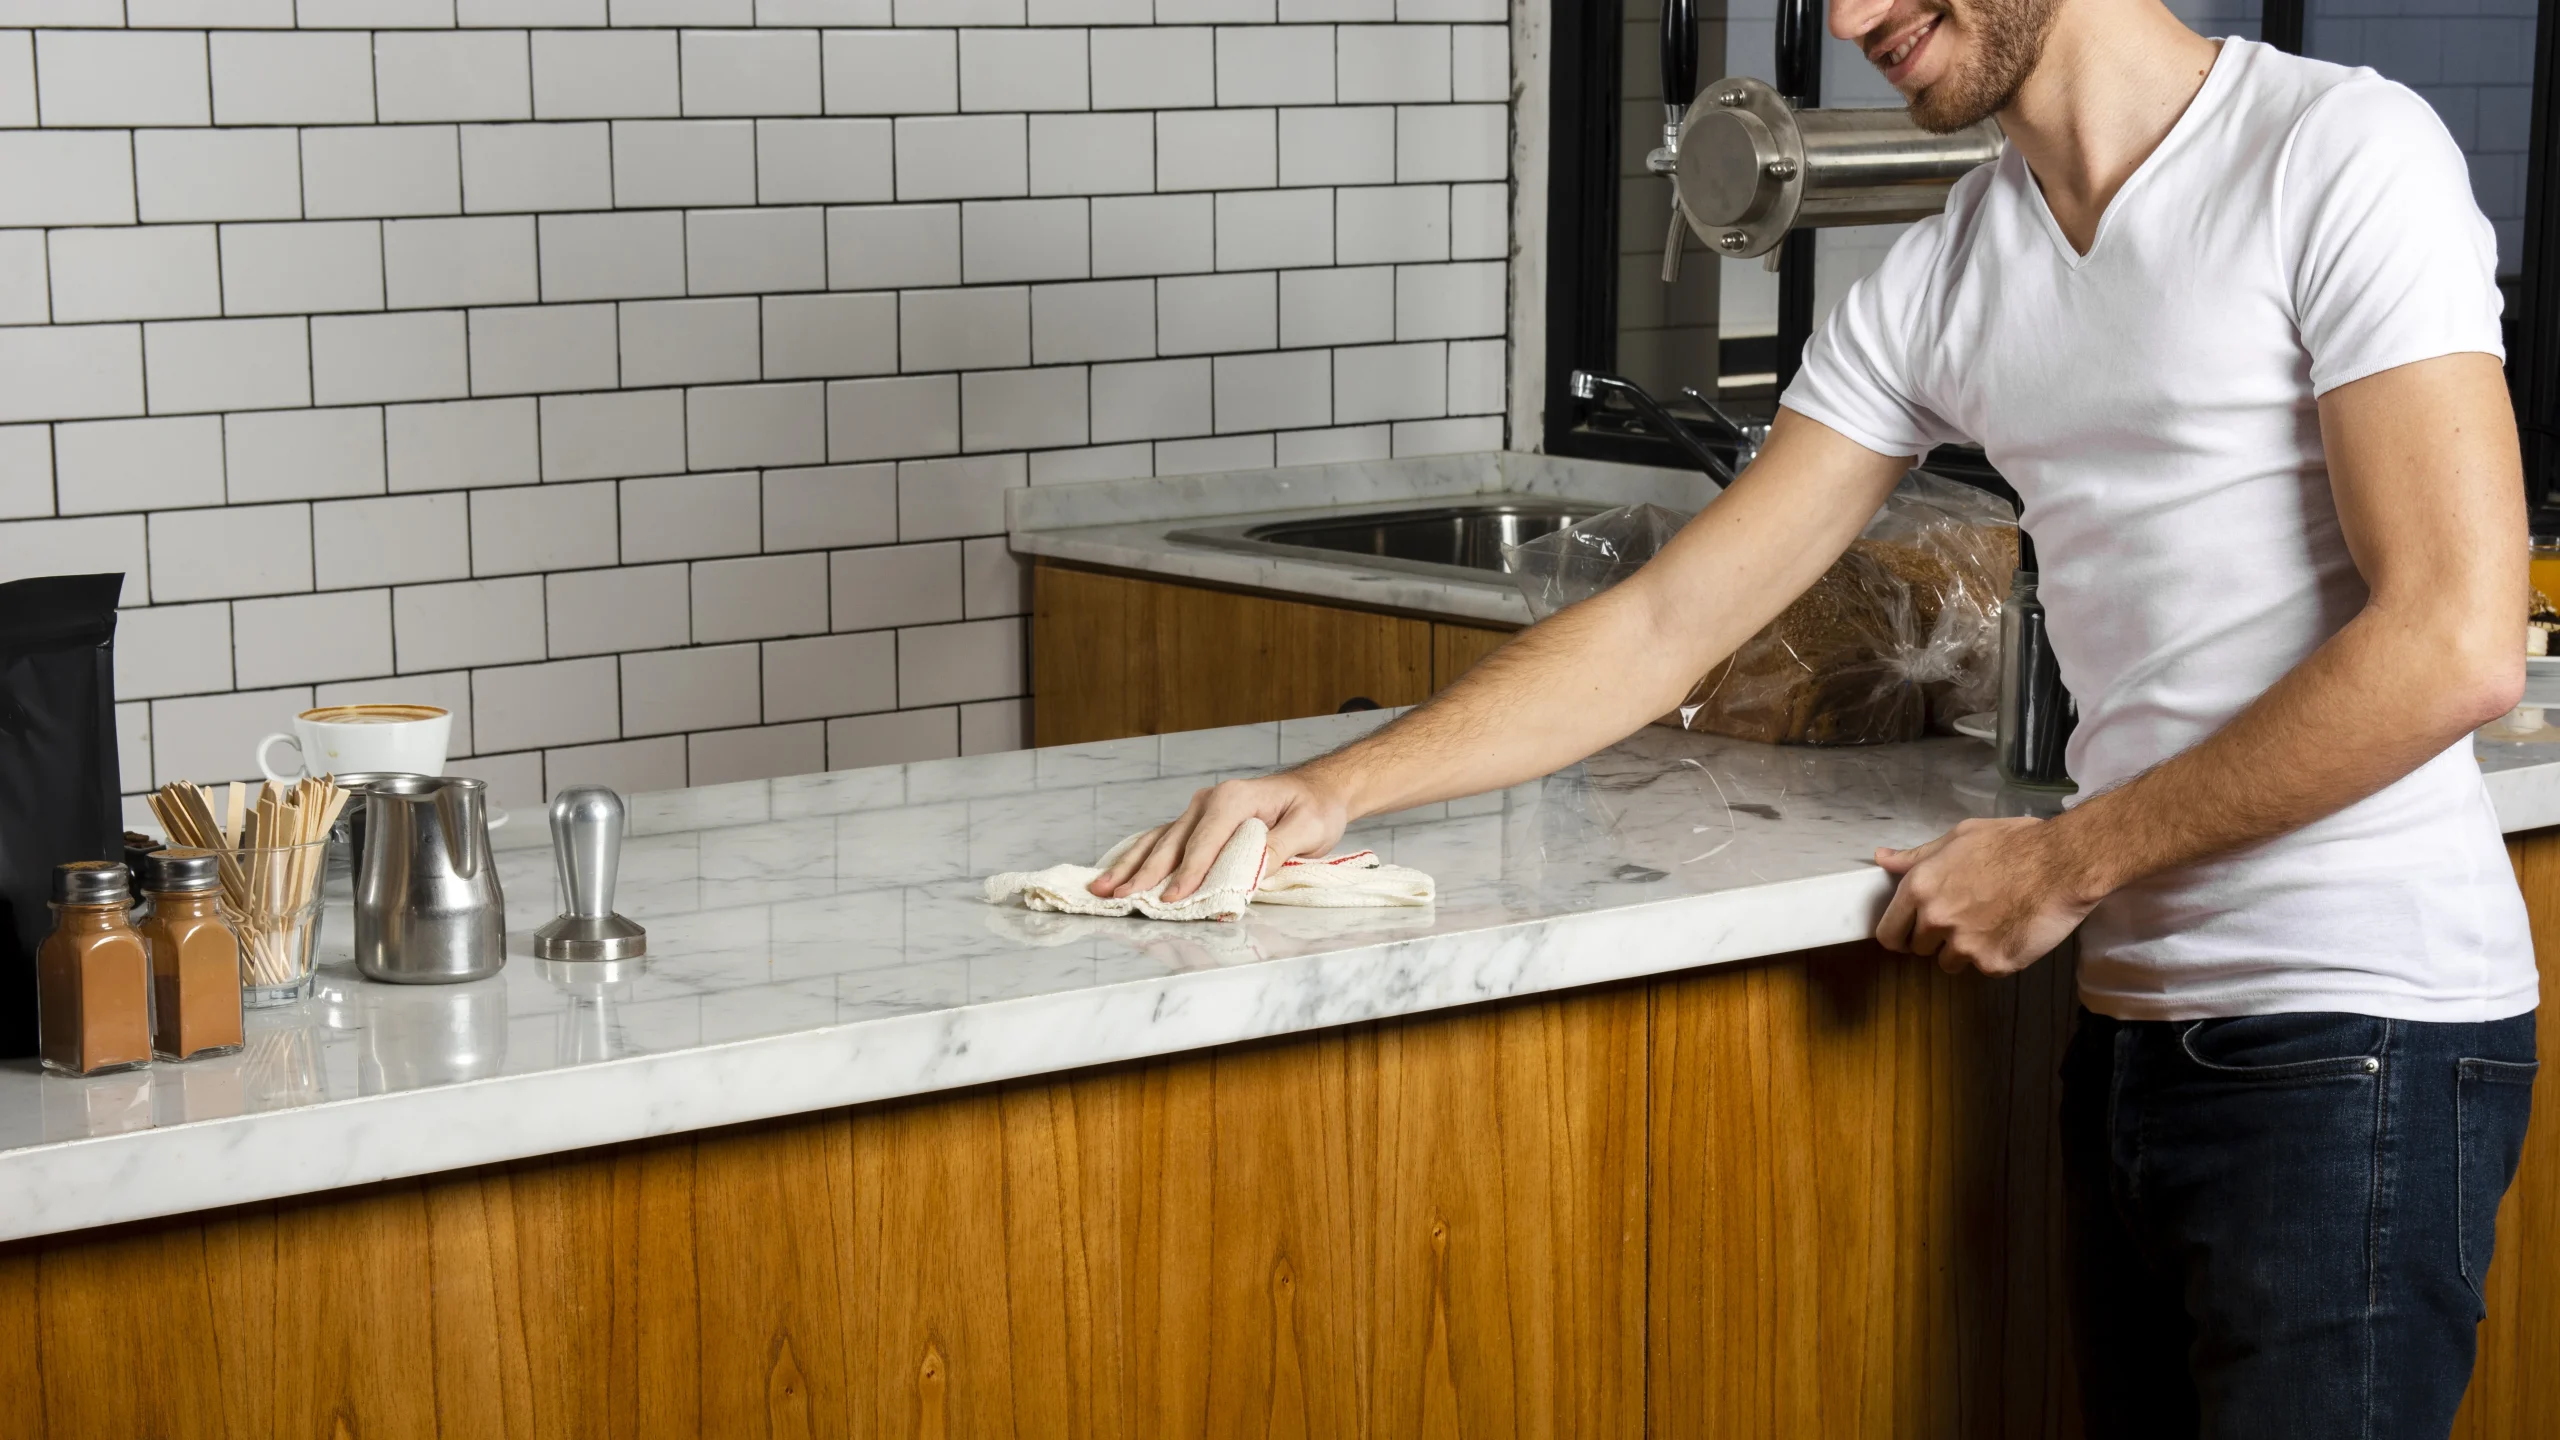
pixel 819 941
pixel 1132 524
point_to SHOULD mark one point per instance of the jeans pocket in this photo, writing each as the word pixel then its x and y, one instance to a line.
pixel 2494 1100
pixel 2307 1045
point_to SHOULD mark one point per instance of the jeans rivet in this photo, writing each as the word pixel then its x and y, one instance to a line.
pixel 2371 1065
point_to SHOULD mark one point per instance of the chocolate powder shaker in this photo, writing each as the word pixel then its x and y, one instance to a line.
pixel 195 959
pixel 93 976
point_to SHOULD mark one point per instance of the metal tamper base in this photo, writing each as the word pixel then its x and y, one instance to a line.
pixel 586 851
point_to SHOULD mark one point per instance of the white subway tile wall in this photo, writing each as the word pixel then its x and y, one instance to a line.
pixel 642 379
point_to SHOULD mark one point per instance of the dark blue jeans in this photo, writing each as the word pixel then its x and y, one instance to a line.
pixel 2279 1223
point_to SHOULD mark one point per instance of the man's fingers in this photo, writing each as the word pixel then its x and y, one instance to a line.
pixel 1118 872
pixel 1216 826
pixel 1893 932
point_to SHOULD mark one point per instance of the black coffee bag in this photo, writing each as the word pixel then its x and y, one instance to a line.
pixel 58 781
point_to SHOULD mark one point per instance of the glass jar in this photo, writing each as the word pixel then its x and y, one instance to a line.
pixel 195 959
pixel 93 975
pixel 2543 564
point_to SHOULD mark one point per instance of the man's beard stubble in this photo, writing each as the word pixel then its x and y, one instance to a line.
pixel 2008 38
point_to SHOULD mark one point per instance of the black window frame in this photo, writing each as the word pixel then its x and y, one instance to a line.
pixel 1582 243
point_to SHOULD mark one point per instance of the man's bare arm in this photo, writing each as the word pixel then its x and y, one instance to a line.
pixel 1584 678
pixel 2430 495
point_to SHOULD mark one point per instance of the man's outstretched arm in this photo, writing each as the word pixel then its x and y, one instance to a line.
pixel 1582 679
pixel 2430 495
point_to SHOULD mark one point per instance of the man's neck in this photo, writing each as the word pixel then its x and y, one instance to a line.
pixel 2114 78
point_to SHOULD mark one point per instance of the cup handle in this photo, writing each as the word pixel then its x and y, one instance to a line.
pixel 269 770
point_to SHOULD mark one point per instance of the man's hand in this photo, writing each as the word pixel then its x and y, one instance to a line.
pixel 1305 815
pixel 1993 895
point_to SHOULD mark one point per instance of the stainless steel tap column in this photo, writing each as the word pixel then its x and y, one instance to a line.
pixel 1753 167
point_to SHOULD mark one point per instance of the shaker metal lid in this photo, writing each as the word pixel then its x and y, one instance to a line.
pixel 179 868
pixel 91 882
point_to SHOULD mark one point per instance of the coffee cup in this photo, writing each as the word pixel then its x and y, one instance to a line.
pixel 346 739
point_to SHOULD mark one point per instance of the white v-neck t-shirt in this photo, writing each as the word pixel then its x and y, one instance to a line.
pixel 2303 225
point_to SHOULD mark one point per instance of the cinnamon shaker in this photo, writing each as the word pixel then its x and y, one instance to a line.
pixel 93 975
pixel 195 959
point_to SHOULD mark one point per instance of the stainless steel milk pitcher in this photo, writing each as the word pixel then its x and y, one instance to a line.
pixel 428 908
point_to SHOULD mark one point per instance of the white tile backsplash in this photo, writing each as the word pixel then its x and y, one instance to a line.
pixel 300 269
pixel 759 598
pixel 543 527
pixel 830 675
pixel 891 72
pixel 380 170
pixel 108 465
pixel 603 612
pixel 893 585
pixel 756 425
pixel 303 454
pixel 750 72
pixel 824 507
pixel 462 446
pixel 391 540
pixel 458 75
pixel 287 78
pixel 297 639
pixel 689 517
pixel 612 257
pixel 151 272
pixel 417 355
pixel 1097 154
pixel 828 335
pixel 803 287
pixel 801 162
pixel 108 77
pixel 596 437
pixel 474 622
pixel 195 365
pixel 709 688
pixel 751 252
pixel 217 174
pixel 536 167
pixel 605 74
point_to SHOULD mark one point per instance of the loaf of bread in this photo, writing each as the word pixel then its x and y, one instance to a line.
pixel 1896 633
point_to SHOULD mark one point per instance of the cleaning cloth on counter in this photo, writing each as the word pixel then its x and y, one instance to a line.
pixel 1241 875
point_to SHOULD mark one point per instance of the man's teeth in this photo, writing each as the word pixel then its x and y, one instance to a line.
pixel 1903 51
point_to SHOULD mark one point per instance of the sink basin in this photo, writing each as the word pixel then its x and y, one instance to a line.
pixel 1463 539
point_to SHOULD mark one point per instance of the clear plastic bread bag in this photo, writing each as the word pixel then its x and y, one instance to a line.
pixel 1900 636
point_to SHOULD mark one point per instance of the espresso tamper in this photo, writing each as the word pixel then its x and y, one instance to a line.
pixel 586 849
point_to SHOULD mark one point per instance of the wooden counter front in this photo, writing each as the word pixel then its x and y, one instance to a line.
pixel 1813 1195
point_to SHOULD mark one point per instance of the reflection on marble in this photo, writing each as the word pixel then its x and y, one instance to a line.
pixel 1128 524
pixel 819 941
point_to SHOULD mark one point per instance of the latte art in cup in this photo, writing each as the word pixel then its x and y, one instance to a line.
pixel 345 739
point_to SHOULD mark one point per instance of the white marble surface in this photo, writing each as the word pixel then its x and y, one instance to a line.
pixel 818 942
pixel 1131 524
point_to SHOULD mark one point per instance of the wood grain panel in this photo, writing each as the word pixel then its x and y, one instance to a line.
pixel 1115 655
pixel 1455 649
pixel 2515 1385
pixel 1813 1195
pixel 1854 1227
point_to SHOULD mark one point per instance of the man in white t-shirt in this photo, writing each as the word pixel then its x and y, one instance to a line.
pixel 2227 319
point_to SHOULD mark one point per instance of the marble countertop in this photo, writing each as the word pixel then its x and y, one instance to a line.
pixel 1135 525
pixel 820 941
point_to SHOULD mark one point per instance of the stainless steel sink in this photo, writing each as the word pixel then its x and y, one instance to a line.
pixel 1461 539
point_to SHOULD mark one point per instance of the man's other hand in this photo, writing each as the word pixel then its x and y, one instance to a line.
pixel 1306 817
pixel 1990 895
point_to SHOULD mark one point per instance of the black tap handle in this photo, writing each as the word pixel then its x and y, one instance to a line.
pixel 1679 53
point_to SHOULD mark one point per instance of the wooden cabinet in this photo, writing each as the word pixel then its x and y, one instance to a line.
pixel 1118 655
pixel 1813 1195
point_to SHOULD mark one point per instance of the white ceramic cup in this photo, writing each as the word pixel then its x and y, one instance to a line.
pixel 352 739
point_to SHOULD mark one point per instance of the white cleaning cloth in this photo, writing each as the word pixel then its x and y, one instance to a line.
pixel 1241 875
